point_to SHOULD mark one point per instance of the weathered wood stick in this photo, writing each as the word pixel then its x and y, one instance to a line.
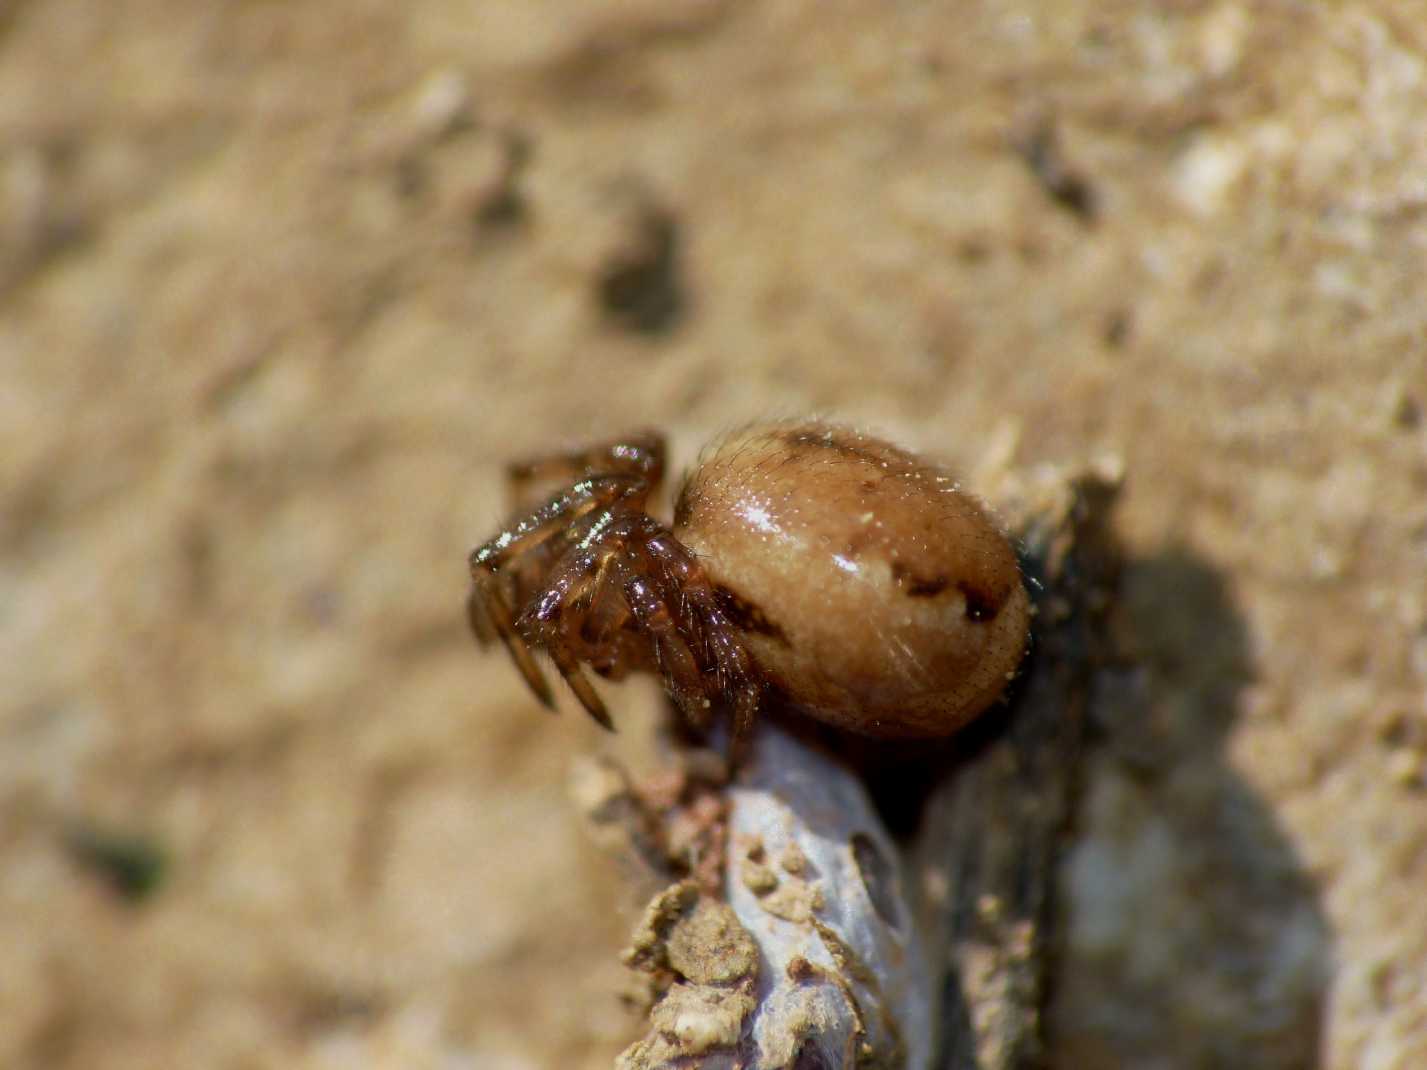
pixel 995 827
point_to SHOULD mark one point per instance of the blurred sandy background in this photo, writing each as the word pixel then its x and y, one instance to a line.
pixel 283 284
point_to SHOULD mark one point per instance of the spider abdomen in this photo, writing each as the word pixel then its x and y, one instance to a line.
pixel 870 590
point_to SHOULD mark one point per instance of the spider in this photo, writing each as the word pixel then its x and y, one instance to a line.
pixel 806 562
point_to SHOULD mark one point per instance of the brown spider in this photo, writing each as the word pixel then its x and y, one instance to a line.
pixel 849 576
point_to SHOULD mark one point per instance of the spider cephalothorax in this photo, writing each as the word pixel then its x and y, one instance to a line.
pixel 850 576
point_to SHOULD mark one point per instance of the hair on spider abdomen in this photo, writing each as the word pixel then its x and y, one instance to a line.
pixel 853 578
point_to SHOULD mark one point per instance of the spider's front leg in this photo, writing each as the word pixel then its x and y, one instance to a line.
pixel 536 482
pixel 519 560
pixel 561 497
pixel 532 480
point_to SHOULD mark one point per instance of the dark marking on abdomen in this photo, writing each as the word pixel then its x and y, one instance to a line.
pixel 915 586
pixel 747 617
pixel 981 605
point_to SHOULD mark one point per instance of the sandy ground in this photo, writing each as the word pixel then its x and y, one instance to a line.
pixel 283 285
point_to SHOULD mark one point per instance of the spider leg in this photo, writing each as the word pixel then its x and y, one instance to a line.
pixel 745 709
pixel 682 674
pixel 641 454
pixel 479 619
pixel 491 604
pixel 698 650
pixel 604 579
pixel 536 538
pixel 734 672
pixel 580 684
pixel 556 517
pixel 576 582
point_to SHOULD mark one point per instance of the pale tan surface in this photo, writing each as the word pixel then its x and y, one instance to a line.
pixel 259 365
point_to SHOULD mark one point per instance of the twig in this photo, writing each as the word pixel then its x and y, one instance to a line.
pixel 994 828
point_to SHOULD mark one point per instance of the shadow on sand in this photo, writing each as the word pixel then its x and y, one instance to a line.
pixel 1193 933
